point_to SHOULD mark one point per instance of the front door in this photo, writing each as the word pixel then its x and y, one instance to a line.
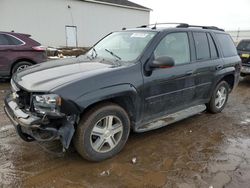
pixel 168 90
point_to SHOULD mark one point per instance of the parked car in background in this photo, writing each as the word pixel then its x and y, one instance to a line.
pixel 244 53
pixel 18 51
pixel 140 79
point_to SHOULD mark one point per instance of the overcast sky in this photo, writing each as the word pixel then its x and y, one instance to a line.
pixel 226 14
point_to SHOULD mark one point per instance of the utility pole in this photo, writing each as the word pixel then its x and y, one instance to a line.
pixel 238 34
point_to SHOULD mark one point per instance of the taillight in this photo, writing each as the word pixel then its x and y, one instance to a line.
pixel 39 48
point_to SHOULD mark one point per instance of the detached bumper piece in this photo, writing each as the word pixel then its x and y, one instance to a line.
pixel 31 127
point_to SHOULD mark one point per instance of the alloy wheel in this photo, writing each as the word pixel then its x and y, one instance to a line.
pixel 106 134
pixel 221 97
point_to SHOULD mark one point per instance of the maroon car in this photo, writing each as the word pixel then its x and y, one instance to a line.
pixel 18 51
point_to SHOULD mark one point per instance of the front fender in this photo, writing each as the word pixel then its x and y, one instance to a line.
pixel 106 93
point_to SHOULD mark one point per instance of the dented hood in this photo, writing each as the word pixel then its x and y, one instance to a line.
pixel 47 76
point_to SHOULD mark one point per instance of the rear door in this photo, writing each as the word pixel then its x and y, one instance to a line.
pixel 207 63
pixel 168 90
pixel 4 54
pixel 8 45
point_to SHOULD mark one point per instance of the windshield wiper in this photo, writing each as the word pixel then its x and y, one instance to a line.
pixel 112 53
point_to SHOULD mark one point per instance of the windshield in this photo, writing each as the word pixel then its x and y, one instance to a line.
pixel 121 46
pixel 244 46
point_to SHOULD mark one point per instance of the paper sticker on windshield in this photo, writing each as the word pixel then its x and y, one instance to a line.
pixel 139 35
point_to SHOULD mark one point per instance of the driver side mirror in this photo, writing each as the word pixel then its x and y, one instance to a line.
pixel 163 62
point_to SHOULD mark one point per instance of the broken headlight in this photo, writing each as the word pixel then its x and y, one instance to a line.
pixel 47 104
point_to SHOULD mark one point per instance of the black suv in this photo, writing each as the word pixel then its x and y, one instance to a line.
pixel 244 51
pixel 136 79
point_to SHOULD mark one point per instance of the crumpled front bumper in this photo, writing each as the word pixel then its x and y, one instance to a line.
pixel 18 116
pixel 29 126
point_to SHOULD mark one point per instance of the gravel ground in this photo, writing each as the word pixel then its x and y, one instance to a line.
pixel 203 151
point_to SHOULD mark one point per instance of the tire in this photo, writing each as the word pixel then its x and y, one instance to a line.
pixel 95 138
pixel 20 66
pixel 214 106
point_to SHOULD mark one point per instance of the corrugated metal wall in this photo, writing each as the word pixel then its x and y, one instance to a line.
pixel 45 20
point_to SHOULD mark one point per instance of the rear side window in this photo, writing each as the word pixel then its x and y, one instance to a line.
pixel 227 45
pixel 9 40
pixel 213 49
pixel 201 45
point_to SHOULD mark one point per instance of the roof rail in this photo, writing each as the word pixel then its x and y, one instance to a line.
pixel 156 24
pixel 181 25
pixel 200 26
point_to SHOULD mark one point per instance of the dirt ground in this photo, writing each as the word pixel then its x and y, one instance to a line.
pixel 203 151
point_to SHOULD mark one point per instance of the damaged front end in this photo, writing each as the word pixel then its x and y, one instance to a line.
pixel 41 117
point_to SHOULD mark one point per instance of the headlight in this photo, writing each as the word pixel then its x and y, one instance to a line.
pixel 50 103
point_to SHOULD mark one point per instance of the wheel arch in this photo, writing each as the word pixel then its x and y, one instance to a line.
pixel 21 60
pixel 125 96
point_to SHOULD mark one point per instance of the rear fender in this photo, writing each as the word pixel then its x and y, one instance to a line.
pixel 220 75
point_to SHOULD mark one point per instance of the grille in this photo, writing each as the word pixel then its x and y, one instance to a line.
pixel 23 99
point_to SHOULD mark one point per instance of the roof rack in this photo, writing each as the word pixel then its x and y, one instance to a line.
pixel 156 24
pixel 181 25
pixel 199 26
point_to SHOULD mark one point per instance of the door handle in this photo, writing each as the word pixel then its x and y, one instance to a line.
pixel 219 67
pixel 188 73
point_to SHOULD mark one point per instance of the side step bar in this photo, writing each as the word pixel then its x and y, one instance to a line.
pixel 172 118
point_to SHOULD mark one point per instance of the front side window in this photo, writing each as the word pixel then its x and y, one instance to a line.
pixel 175 45
pixel 201 45
pixel 124 46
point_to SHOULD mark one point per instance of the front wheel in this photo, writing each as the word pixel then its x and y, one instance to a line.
pixel 219 98
pixel 102 132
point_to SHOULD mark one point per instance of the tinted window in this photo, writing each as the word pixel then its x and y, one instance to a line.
pixel 9 40
pixel 3 40
pixel 213 49
pixel 227 45
pixel 201 45
pixel 175 45
pixel 244 46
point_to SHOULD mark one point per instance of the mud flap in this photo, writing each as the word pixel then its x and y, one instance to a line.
pixel 66 133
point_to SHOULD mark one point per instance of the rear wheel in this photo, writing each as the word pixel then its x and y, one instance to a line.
pixel 21 66
pixel 102 132
pixel 219 98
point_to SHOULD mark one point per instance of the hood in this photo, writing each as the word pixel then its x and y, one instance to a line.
pixel 52 74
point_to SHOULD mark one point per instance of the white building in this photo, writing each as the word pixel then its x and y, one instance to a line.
pixel 70 22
